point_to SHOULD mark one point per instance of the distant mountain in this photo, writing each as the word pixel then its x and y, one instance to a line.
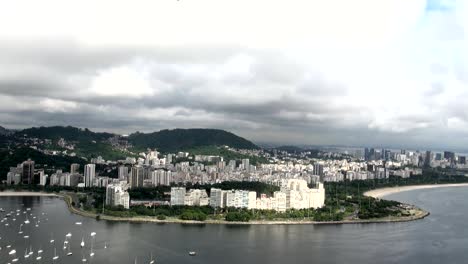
pixel 68 133
pixel 5 132
pixel 181 139
pixel 290 149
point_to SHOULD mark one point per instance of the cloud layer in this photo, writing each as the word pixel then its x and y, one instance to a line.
pixel 391 73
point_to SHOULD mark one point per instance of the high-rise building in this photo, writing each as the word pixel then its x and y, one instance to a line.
pixel 196 197
pixel 136 177
pixel 74 168
pixel 116 194
pixel 462 160
pixel 450 156
pixel 123 173
pixel 438 156
pixel 42 178
pixel 89 174
pixel 318 170
pixel 178 195
pixel 428 159
pixel 246 164
pixel 300 196
pixel 27 176
pixel 217 198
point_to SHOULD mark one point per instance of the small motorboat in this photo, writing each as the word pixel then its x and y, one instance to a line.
pixel 192 253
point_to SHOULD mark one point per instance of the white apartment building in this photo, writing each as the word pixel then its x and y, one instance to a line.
pixel 196 198
pixel 89 174
pixel 116 194
pixel 178 195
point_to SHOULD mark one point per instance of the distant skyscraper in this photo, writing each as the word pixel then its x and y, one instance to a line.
pixel 246 164
pixel 450 156
pixel 75 168
pixel 428 159
pixel 89 174
pixel 318 170
pixel 438 156
pixel 462 160
pixel 366 154
pixel 28 172
pixel 136 177
pixel 123 173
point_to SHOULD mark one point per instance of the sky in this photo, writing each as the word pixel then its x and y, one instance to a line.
pixel 335 72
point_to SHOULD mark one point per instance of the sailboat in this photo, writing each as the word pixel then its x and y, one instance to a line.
pixel 55 254
pixel 93 234
pixel 39 257
pixel 13 252
pixel 27 220
pixel 20 231
pixel 52 238
pixel 69 253
pixel 82 244
pixel 26 254
pixel 105 244
pixel 151 259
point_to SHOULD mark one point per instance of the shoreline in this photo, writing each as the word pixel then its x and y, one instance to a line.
pixel 377 193
pixel 420 214
pixel 382 192
pixel 26 193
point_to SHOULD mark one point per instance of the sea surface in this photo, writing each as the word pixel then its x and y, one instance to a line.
pixel 440 238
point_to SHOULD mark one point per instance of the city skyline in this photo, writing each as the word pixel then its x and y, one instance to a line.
pixel 307 78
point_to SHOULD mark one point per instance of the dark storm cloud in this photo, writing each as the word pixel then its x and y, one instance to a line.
pixel 262 95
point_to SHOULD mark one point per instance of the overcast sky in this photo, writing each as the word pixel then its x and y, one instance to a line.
pixel 361 72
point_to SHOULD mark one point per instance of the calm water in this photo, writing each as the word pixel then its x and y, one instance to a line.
pixel 440 238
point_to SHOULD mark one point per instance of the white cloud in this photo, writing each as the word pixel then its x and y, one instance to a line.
pixel 122 81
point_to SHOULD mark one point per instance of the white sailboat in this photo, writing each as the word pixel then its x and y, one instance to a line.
pixel 39 252
pixel 26 254
pixel 151 259
pixel 69 253
pixel 27 220
pixel 93 234
pixel 55 254
pixel 82 244
pixel 13 253
pixel 20 230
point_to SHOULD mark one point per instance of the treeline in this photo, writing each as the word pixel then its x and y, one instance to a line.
pixel 226 154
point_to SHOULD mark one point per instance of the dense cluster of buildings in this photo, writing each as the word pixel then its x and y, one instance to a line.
pixel 291 172
pixel 294 194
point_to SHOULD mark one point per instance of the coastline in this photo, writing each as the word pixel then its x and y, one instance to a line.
pixel 377 193
pixel 382 192
pixel 26 193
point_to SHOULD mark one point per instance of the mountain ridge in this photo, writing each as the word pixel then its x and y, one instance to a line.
pixel 165 140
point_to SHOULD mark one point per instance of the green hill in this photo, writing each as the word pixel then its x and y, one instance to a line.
pixel 68 133
pixel 12 158
pixel 181 139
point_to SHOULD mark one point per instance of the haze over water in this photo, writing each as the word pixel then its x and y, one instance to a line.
pixel 440 238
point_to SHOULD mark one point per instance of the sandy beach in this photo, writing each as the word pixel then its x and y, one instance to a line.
pixel 379 193
pixel 12 193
